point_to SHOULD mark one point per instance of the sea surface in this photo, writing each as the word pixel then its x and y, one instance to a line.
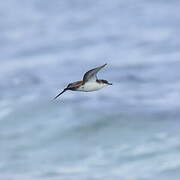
pixel 128 131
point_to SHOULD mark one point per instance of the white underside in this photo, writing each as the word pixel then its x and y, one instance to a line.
pixel 91 86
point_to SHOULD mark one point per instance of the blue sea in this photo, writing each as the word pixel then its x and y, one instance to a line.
pixel 128 131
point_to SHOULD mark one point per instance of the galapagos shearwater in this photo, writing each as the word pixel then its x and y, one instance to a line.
pixel 89 83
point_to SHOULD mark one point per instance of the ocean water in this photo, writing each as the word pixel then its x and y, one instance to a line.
pixel 129 131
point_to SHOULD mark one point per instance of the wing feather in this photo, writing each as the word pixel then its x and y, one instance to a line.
pixel 91 75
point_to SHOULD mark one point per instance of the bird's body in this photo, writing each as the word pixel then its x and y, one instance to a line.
pixel 89 82
pixel 90 86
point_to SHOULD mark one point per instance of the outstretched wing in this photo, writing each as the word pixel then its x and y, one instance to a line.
pixel 72 86
pixel 60 93
pixel 91 75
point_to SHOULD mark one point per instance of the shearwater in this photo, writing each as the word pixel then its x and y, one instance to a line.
pixel 89 83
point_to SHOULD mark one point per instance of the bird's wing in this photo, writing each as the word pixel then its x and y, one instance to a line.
pixel 91 75
pixel 60 93
pixel 74 85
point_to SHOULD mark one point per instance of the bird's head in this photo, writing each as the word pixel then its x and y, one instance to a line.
pixel 105 82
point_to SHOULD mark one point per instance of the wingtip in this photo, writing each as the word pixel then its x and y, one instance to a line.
pixel 60 94
pixel 103 65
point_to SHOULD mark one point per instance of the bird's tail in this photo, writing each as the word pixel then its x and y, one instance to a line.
pixel 60 93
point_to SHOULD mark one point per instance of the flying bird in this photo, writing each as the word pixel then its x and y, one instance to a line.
pixel 89 83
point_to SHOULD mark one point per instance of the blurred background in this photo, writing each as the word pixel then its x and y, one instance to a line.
pixel 129 131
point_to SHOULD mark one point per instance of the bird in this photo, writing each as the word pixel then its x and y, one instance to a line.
pixel 89 83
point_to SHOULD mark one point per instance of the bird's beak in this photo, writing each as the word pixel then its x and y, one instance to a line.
pixel 109 83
